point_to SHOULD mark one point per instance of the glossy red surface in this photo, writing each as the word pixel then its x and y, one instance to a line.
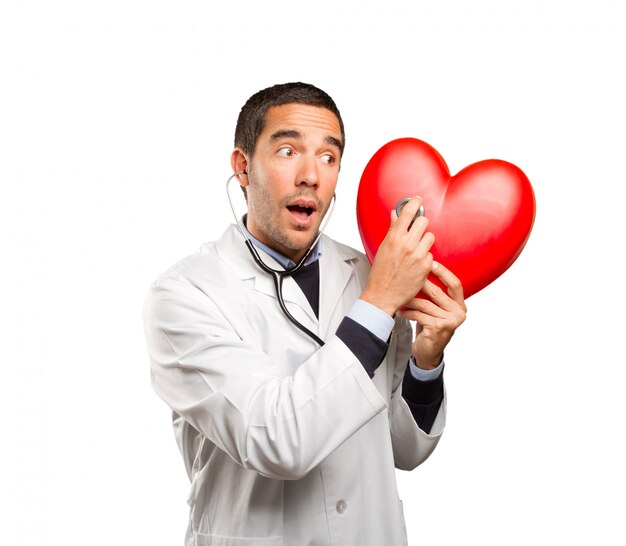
pixel 481 217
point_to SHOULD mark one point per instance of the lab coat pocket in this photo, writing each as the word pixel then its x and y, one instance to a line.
pixel 217 540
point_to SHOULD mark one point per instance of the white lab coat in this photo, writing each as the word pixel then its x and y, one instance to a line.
pixel 284 443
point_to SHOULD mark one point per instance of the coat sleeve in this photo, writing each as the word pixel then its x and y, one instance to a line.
pixel 411 445
pixel 232 393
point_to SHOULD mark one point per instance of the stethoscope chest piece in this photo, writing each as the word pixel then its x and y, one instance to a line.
pixel 403 202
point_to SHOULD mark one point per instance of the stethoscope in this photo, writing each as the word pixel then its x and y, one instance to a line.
pixel 279 274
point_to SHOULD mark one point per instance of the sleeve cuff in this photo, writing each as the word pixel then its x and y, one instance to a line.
pixel 424 398
pixel 425 375
pixel 371 317
pixel 368 348
pixel 422 392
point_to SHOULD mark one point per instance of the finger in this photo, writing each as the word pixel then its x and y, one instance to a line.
pixel 427 307
pixel 444 325
pixel 425 241
pixel 451 281
pixel 423 319
pixel 439 297
pixel 456 311
pixel 408 212
pixel 392 220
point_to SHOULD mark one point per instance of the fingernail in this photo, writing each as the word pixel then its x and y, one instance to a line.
pixel 435 265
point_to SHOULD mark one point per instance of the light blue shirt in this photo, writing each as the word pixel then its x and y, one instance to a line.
pixel 367 315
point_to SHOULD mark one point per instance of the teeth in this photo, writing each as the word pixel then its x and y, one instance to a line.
pixel 302 208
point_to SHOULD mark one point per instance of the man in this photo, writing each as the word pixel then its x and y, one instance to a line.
pixel 287 442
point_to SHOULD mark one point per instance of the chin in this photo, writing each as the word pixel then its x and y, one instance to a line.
pixel 304 238
pixel 297 245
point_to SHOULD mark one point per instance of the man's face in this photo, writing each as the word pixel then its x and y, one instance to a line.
pixel 292 176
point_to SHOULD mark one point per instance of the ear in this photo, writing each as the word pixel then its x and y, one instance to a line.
pixel 239 162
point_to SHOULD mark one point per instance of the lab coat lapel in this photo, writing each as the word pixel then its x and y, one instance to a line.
pixel 336 269
pixel 231 246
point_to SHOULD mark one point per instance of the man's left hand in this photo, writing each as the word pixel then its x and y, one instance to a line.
pixel 437 319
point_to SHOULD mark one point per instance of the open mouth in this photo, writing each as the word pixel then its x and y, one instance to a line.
pixel 302 209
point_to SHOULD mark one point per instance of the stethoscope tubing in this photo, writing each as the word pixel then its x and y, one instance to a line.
pixel 278 275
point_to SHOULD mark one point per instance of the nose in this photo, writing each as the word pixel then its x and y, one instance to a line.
pixel 308 174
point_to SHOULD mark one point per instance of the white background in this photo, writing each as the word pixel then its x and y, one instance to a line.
pixel 116 124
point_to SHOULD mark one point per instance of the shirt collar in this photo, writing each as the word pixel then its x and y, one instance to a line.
pixel 287 263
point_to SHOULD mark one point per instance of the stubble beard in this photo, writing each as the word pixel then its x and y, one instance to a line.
pixel 266 214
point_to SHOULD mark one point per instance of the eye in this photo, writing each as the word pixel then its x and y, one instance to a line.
pixel 285 151
pixel 329 159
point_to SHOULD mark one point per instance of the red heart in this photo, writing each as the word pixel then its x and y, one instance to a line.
pixel 481 217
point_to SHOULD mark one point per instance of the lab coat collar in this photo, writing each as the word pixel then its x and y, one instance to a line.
pixel 285 262
pixel 335 272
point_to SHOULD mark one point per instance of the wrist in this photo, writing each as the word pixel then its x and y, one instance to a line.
pixel 427 363
pixel 425 375
pixel 377 301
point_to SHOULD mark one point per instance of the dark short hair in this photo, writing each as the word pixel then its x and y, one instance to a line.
pixel 253 115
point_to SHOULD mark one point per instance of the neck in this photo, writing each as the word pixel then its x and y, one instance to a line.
pixel 287 257
pixel 293 254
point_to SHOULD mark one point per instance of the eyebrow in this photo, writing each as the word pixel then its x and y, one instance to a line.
pixel 292 133
pixel 285 133
pixel 334 142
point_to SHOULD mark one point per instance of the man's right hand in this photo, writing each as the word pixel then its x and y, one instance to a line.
pixel 403 261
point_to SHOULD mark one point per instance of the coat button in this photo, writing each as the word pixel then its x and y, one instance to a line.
pixel 341 506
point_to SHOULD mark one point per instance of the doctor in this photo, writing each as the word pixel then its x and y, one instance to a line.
pixel 286 442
